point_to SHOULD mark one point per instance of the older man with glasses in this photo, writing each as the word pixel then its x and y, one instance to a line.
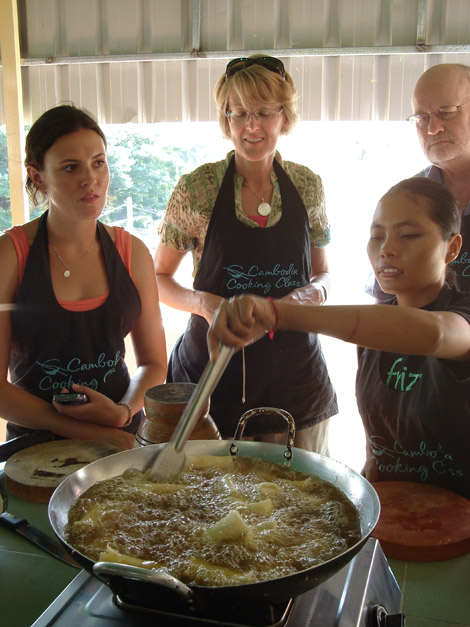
pixel 441 113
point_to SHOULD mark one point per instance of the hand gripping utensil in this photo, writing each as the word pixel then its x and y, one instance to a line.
pixel 170 460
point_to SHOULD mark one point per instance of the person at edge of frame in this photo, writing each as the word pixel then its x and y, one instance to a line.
pixel 441 106
pixel 413 377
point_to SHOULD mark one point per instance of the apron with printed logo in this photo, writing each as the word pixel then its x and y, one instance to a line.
pixel 288 372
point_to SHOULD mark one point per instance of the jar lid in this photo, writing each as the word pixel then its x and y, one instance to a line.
pixel 171 392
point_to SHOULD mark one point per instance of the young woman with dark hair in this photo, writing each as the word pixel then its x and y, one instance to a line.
pixel 413 379
pixel 72 288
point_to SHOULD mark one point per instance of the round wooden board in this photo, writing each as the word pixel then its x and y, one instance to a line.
pixel 421 522
pixel 34 473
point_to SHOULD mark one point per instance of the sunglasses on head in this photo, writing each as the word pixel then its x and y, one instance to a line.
pixel 270 63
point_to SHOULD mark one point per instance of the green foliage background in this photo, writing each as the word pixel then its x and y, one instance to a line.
pixel 143 166
pixel 5 219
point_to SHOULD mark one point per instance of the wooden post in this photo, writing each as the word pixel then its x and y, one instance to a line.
pixel 13 104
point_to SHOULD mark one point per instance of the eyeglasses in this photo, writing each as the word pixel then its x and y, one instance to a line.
pixel 239 117
pixel 443 113
pixel 270 63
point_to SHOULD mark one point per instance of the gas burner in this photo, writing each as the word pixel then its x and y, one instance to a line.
pixel 260 616
pixel 362 594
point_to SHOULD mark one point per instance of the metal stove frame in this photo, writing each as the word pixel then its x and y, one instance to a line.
pixel 359 595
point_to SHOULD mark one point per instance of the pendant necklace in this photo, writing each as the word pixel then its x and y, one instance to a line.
pixel 68 270
pixel 264 208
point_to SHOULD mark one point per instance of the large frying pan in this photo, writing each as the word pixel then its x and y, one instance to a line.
pixel 138 586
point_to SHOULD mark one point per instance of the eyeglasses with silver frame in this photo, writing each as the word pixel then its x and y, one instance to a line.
pixel 447 112
pixel 240 117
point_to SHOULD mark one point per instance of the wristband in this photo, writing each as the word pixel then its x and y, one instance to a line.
pixel 276 315
pixel 129 412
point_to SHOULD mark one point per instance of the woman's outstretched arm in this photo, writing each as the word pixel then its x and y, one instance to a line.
pixel 408 330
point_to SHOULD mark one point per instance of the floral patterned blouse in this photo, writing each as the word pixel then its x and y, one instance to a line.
pixel 190 206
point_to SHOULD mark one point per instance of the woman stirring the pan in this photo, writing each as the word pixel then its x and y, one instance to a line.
pixel 413 380
pixel 254 224
pixel 77 287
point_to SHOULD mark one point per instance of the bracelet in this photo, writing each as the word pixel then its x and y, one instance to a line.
pixel 129 412
pixel 325 293
pixel 276 315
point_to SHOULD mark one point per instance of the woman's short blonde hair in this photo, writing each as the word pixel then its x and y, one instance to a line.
pixel 255 84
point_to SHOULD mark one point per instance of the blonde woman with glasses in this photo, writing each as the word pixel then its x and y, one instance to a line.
pixel 254 224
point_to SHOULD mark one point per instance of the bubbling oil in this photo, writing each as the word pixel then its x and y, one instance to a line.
pixel 225 521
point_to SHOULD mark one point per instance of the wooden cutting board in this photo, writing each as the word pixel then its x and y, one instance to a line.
pixel 420 522
pixel 34 473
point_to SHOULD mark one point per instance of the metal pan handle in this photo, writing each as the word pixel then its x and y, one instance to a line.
pixel 267 410
pixel 137 587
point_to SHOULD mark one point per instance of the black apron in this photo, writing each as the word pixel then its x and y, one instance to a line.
pixel 415 411
pixel 53 347
pixel 288 372
pixel 461 265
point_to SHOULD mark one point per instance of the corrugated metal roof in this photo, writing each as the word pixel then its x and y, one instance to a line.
pixel 154 60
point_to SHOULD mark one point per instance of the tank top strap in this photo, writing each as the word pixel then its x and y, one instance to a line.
pixel 124 246
pixel 21 244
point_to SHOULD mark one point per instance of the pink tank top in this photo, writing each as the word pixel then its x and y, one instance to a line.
pixel 124 247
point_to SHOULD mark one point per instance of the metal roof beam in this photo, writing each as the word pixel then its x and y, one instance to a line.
pixel 229 54
pixel 421 23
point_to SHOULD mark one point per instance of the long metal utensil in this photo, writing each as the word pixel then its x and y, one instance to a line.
pixel 170 460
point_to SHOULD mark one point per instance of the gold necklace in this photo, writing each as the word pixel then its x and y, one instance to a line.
pixel 264 208
pixel 68 269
